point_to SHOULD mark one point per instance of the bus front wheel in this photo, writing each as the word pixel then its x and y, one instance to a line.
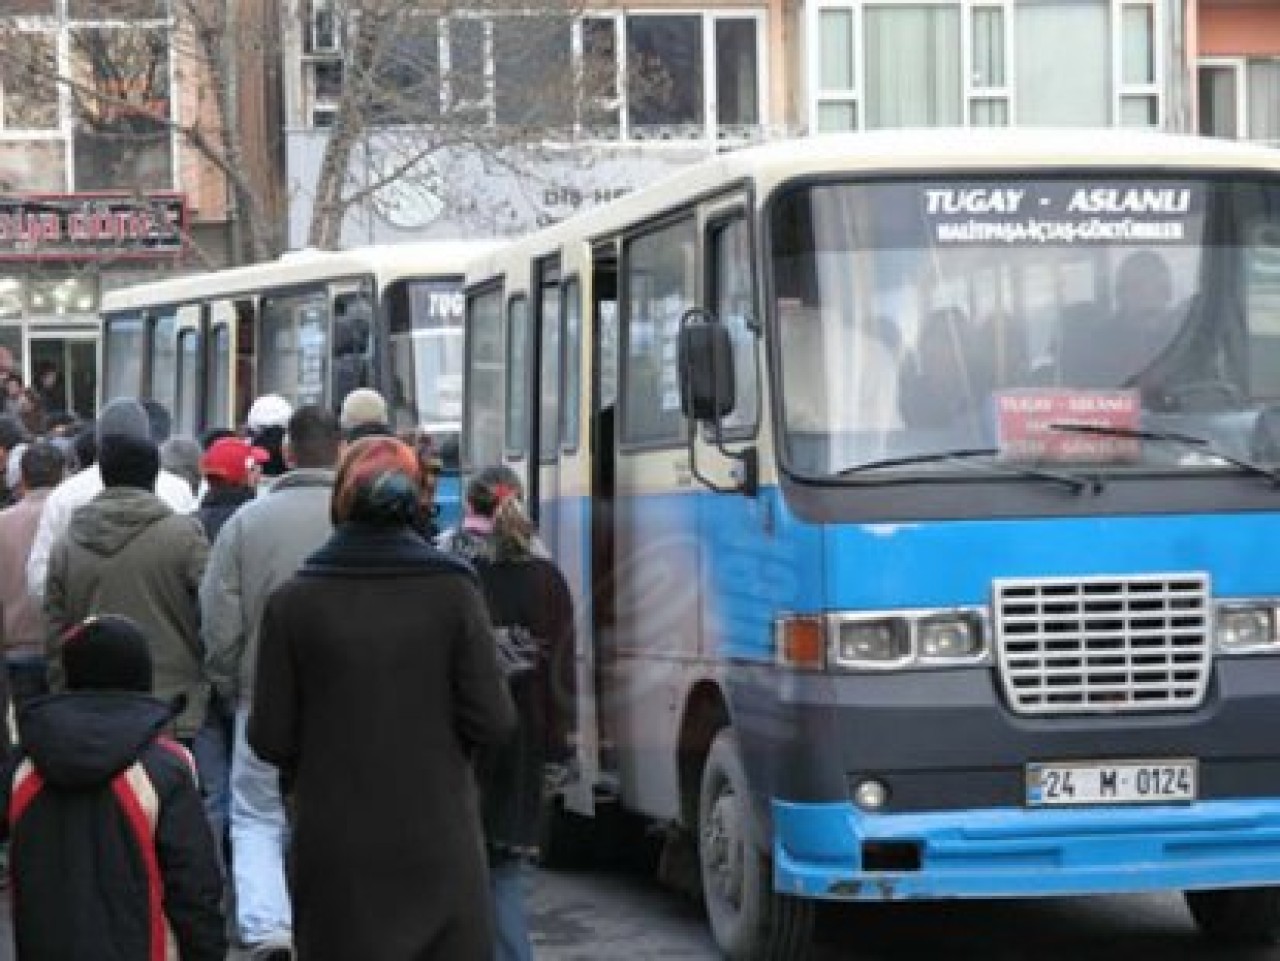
pixel 750 921
pixel 1238 916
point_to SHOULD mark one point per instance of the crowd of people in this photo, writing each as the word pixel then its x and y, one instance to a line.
pixel 257 698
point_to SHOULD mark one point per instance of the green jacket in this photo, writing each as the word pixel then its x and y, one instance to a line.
pixel 126 552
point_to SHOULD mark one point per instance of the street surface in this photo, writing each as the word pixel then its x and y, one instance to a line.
pixel 602 916
pixel 621 916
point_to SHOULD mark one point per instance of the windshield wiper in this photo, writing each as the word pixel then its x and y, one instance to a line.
pixel 1077 484
pixel 1171 437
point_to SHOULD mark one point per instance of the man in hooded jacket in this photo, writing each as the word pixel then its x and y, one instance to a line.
pixel 126 552
pixel 110 856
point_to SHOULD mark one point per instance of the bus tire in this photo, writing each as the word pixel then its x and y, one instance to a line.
pixel 1237 916
pixel 749 920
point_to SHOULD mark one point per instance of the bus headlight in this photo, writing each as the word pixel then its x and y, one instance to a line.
pixel 1246 629
pixel 949 638
pixel 882 643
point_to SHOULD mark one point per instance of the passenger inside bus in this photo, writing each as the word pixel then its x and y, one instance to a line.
pixel 1106 350
pixel 352 326
pixel 939 390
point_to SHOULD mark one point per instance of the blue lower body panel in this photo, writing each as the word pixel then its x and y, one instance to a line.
pixel 1010 852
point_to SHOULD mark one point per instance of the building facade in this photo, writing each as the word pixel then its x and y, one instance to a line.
pixel 101 183
pixel 1238 69
pixel 529 113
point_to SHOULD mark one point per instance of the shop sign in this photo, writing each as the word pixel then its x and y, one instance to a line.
pixel 99 226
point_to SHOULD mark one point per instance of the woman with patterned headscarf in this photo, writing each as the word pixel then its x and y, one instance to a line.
pixel 377 680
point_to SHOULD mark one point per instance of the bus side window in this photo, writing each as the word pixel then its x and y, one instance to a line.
pixel 352 343
pixel 659 289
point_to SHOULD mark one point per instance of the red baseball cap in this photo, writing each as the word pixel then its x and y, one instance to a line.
pixel 230 459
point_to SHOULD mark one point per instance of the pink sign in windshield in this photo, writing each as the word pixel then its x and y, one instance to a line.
pixel 1024 420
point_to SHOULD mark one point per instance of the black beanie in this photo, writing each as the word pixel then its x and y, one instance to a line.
pixel 106 653
pixel 128 461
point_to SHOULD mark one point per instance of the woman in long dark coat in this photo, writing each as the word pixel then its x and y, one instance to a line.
pixel 377 679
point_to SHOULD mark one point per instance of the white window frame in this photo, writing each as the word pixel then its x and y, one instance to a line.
pixel 1007 92
pixel 1122 91
pixel 1240 67
pixel 822 95
pixel 709 17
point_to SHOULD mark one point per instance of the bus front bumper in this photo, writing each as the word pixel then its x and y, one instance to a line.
pixel 819 850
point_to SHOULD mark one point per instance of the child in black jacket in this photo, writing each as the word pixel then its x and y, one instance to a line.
pixel 111 857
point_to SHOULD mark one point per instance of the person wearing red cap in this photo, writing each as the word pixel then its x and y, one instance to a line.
pixel 231 468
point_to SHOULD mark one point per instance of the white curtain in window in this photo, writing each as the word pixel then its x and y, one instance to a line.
pixel 913 66
pixel 1264 100
pixel 1063 66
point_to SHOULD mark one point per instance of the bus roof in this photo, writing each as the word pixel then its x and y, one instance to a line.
pixel 928 151
pixel 386 263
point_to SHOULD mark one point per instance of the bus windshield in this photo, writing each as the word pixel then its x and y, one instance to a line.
pixel 917 317
pixel 425 322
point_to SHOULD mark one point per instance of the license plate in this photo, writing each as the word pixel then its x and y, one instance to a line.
pixel 1110 782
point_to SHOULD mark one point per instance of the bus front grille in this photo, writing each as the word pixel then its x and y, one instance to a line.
pixel 1103 645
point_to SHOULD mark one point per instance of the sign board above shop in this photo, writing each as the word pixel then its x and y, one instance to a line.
pixel 99 226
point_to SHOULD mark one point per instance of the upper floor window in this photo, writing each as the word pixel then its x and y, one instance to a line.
pixel 28 81
pixel 1240 98
pixel 122 109
pixel 653 75
pixel 985 63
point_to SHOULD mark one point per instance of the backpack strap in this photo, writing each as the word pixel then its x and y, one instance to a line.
pixel 27 783
pixel 140 804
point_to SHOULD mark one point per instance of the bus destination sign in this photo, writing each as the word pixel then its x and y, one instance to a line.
pixel 92 226
pixel 1026 419
pixel 1067 213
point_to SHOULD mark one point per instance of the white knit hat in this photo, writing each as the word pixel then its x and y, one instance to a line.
pixel 363 406
pixel 269 410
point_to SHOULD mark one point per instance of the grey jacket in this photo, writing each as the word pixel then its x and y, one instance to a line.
pixel 126 552
pixel 260 547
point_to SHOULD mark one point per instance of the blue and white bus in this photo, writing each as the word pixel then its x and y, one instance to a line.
pixel 920 492
pixel 311 326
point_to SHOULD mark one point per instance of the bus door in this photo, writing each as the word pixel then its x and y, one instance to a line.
pixel 598 612
pixel 656 564
pixel 189 372
pixel 568 512
pixel 732 530
pixel 544 422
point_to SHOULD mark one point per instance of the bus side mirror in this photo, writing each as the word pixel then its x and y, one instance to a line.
pixel 705 364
